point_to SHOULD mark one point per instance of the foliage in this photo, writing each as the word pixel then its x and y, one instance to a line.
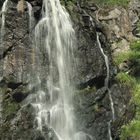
pixel 135 45
pixel 112 2
pixel 120 57
pixel 137 29
pixel 126 79
pixel 133 55
pixel 131 130
pixel 136 95
pixel 131 79
pixel 67 2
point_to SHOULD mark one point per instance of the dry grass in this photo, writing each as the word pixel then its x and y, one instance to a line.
pixel 20 6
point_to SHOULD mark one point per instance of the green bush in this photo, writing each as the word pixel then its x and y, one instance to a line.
pixel 133 55
pixel 126 79
pixel 131 130
pixel 120 57
pixel 136 97
pixel 135 45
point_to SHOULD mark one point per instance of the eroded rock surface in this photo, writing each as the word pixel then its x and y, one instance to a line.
pixel 92 104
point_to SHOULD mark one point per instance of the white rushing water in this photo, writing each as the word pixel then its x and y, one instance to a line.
pixel 55 36
pixel 31 16
pixel 2 32
pixel 107 84
pixel 3 12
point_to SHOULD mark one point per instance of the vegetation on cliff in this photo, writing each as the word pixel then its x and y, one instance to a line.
pixel 112 2
pixel 131 78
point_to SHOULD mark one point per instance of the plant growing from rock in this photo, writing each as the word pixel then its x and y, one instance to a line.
pixel 132 129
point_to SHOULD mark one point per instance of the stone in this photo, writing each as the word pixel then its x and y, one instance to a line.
pixel 113 14
pixel 92 105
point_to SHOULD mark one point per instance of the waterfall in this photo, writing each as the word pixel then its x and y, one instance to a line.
pixel 107 75
pixel 3 11
pixel 106 79
pixel 31 17
pixel 107 84
pixel 55 36
pixel 2 32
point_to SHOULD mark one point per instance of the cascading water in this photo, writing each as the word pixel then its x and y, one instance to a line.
pixel 107 76
pixel 55 36
pixel 106 84
pixel 2 32
pixel 31 17
pixel 3 11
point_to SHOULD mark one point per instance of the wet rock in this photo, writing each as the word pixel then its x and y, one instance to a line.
pixel 126 65
pixel 37 11
pixel 90 113
pixel 86 20
pixel 19 96
pixel 92 107
pixel 97 81
pixel 136 32
pixel 1 3
pixel 40 138
pixel 13 85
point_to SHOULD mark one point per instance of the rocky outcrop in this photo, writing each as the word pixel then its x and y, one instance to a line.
pixel 92 104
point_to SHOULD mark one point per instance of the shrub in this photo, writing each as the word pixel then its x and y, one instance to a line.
pixel 120 57
pixel 135 45
pixel 126 79
pixel 136 97
pixel 131 130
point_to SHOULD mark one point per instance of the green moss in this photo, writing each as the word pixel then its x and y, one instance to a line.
pixel 126 79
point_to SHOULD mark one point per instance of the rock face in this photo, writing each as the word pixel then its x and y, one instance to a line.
pixel 92 103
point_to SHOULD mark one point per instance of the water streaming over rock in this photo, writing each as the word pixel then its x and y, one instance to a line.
pixel 107 84
pixel 3 12
pixel 2 32
pixel 31 16
pixel 54 36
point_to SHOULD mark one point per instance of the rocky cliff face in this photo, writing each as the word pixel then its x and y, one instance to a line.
pixel 92 102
